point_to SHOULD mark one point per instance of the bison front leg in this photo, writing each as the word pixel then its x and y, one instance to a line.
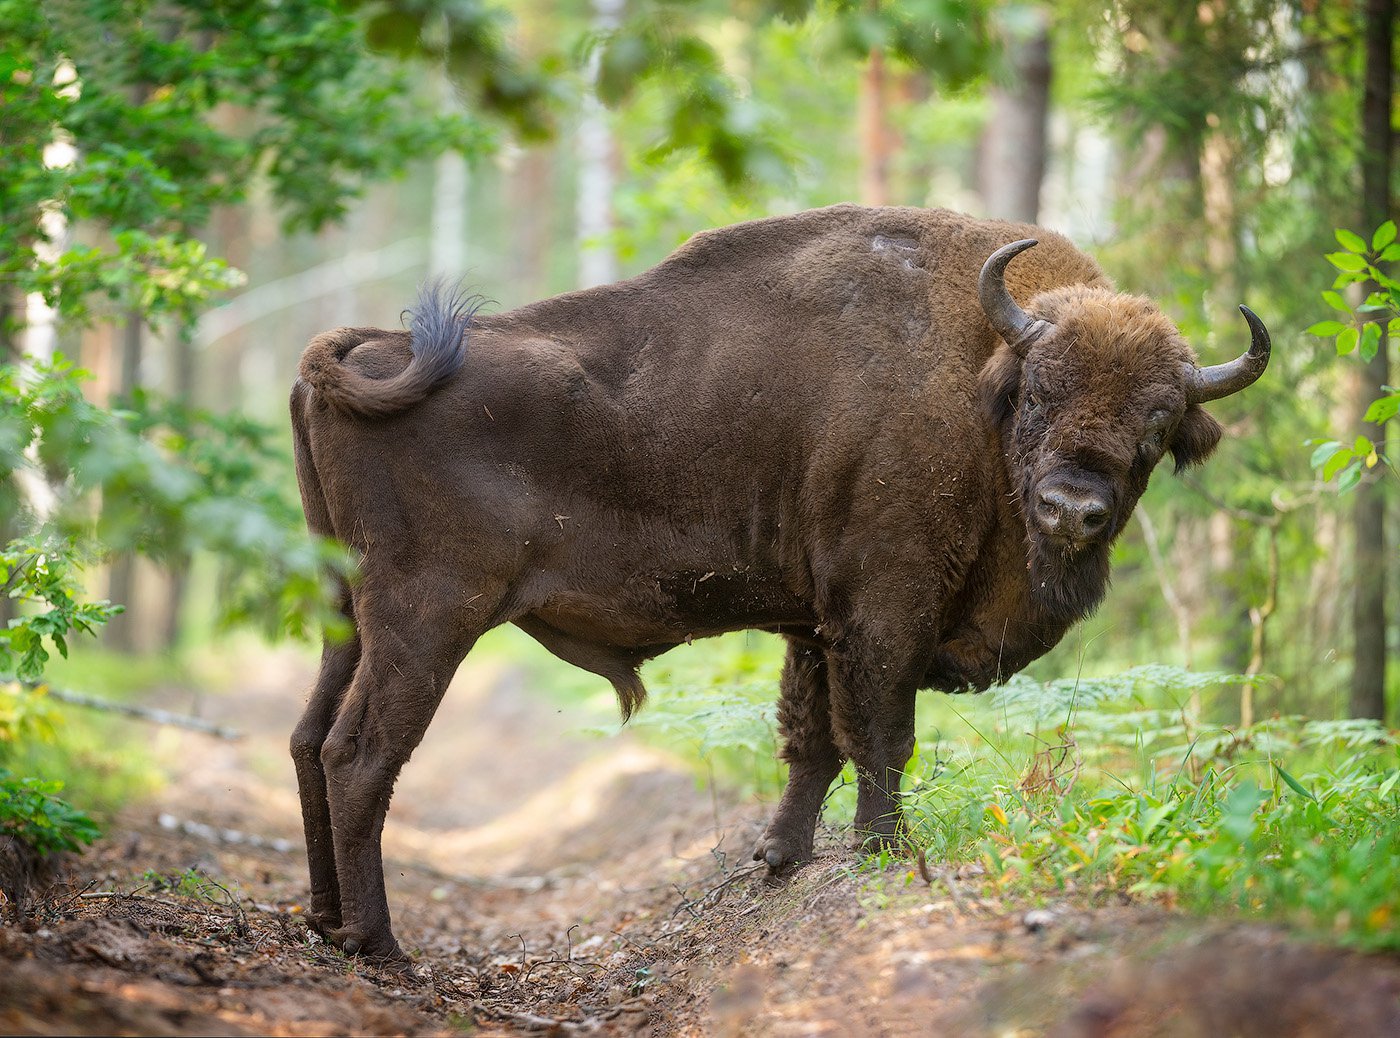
pixel 804 721
pixel 872 712
pixel 382 719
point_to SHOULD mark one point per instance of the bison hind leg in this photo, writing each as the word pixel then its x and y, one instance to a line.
pixel 617 664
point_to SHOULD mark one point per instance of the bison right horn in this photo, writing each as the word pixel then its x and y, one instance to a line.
pixel 1016 327
pixel 1220 380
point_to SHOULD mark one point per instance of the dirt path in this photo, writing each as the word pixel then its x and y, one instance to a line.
pixel 548 882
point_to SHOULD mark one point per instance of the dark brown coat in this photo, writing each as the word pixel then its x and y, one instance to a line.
pixel 804 424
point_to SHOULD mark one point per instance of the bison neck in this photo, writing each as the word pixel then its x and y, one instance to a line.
pixel 1014 607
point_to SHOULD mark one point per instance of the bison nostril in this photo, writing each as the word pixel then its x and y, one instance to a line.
pixel 1093 517
pixel 1047 509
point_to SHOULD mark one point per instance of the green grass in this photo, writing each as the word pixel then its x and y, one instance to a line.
pixel 1113 787
pixel 1100 787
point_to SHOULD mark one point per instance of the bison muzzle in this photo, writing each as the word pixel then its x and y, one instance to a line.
pixel 841 426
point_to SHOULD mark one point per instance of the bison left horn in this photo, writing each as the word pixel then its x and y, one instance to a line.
pixel 1016 327
pixel 1220 380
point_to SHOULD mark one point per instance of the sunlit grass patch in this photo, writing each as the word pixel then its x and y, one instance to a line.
pixel 1115 787
pixel 1100 787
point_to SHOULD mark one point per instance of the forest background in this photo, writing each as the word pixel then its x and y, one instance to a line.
pixel 189 191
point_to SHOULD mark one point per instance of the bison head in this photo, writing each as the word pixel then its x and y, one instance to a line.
pixel 1091 389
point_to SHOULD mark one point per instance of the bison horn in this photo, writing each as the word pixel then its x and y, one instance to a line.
pixel 1016 327
pixel 1220 380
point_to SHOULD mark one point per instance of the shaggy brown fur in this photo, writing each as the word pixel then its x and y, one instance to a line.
pixel 804 424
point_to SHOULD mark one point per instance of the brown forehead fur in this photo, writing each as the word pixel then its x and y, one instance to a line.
pixel 1111 361
pixel 1113 331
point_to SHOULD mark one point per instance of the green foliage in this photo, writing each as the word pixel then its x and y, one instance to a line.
pixel 700 108
pixel 158 276
pixel 32 811
pixel 745 141
pixel 713 703
pixel 672 64
pixel 170 110
pixel 232 505
pixel 26 715
pixel 1131 794
pixel 1322 851
pixel 1360 330
pixel 470 38
pixel 160 479
pixel 1184 73
pixel 1113 786
pixel 42 574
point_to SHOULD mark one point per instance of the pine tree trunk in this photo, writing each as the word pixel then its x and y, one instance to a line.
pixel 1368 517
pixel 9 353
pixel 447 249
pixel 185 368
pixel 1219 157
pixel 1014 142
pixel 121 578
pixel 874 133
pixel 597 155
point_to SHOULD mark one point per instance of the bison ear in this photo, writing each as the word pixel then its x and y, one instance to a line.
pixel 998 385
pixel 1195 438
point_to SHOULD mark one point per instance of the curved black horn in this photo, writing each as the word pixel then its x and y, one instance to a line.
pixel 1220 380
pixel 1012 323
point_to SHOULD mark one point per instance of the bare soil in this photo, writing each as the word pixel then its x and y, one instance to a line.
pixel 551 883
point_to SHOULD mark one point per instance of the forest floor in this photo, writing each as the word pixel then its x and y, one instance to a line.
pixel 548 882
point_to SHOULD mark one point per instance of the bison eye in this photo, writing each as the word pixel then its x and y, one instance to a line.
pixel 1156 434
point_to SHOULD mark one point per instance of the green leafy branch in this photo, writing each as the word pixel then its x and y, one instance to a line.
pixel 43 574
pixel 1361 329
pixel 159 479
pixel 32 811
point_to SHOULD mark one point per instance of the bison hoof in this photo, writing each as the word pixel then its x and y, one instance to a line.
pixel 382 951
pixel 779 852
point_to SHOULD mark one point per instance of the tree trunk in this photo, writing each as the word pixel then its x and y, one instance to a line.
pixel 121 578
pixel 447 248
pixel 530 194
pixel 1219 157
pixel 8 354
pixel 1368 517
pixel 185 368
pixel 597 153
pixel 1014 141
pixel 876 138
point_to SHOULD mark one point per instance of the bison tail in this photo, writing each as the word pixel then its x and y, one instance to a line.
pixel 438 324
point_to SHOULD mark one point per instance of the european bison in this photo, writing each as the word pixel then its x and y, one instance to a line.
pixel 826 425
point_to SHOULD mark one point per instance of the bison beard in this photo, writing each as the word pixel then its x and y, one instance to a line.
pixel 841 426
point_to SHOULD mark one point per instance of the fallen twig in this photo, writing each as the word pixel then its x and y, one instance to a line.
pixel 708 899
pixel 142 713
pixel 216 835
pixel 118 895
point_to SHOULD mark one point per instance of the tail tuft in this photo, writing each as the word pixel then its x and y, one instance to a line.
pixel 438 322
pixel 438 325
